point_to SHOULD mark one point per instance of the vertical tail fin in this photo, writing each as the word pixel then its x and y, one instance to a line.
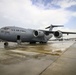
pixel 52 26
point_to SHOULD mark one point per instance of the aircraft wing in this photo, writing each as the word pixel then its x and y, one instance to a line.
pixel 63 32
pixel 68 32
pixel 52 26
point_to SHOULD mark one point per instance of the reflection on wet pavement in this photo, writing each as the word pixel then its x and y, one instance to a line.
pixel 35 51
pixel 50 48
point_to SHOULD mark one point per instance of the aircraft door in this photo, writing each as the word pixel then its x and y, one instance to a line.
pixel 18 39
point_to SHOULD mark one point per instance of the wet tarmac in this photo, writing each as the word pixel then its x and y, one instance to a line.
pixel 34 59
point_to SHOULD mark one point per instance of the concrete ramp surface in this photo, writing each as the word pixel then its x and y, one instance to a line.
pixel 55 58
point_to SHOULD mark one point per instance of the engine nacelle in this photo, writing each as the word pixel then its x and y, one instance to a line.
pixel 58 34
pixel 38 33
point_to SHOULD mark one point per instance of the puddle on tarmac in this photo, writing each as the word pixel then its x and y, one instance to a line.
pixel 54 48
pixel 36 51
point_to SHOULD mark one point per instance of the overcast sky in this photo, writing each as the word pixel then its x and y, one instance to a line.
pixel 38 13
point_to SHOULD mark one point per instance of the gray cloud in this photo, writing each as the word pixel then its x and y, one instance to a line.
pixel 24 13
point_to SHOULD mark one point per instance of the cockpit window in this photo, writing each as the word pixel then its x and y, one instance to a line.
pixel 5 28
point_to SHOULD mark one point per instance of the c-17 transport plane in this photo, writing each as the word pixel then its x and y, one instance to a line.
pixel 17 34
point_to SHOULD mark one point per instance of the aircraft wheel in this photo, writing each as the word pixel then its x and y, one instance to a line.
pixel 43 42
pixel 6 44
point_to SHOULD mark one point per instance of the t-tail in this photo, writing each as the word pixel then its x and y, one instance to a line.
pixel 52 26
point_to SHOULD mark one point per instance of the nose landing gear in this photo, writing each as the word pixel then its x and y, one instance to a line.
pixel 6 44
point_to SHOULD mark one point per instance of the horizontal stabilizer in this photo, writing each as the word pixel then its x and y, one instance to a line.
pixel 52 26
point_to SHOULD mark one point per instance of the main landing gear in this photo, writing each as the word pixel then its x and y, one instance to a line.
pixel 32 42
pixel 39 42
pixel 43 42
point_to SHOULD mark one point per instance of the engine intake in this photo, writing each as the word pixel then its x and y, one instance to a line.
pixel 58 34
pixel 38 33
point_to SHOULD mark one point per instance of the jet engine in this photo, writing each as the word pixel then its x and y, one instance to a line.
pixel 38 33
pixel 58 34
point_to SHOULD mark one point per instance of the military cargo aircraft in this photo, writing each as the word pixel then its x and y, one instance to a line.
pixel 17 34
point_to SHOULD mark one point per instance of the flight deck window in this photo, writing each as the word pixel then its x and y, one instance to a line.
pixel 5 28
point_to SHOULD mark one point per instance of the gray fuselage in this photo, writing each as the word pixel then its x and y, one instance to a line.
pixel 13 34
